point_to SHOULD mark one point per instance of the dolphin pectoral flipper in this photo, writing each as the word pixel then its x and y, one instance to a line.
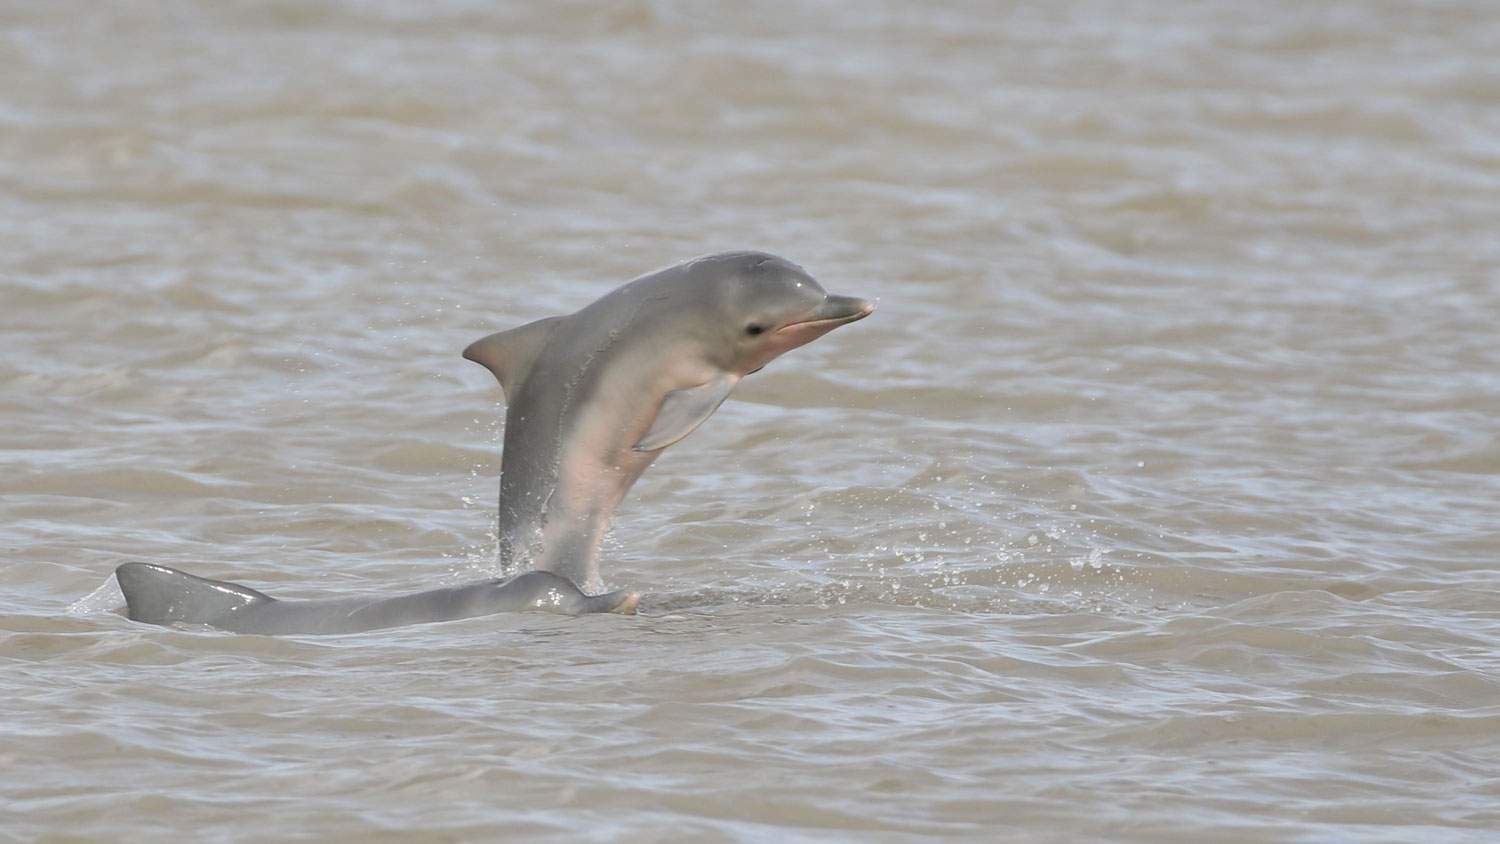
pixel 510 354
pixel 162 595
pixel 682 411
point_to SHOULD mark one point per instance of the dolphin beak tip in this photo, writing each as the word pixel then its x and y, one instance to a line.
pixel 859 309
pixel 845 309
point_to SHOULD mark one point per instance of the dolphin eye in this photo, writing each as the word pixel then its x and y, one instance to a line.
pixel 755 328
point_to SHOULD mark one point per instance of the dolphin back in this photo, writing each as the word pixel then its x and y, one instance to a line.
pixel 162 595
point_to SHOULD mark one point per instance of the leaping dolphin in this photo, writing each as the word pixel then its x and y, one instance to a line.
pixel 593 398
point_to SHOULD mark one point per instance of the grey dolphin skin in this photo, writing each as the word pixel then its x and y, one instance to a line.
pixel 162 595
pixel 592 399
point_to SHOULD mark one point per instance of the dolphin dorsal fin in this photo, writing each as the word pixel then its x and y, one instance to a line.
pixel 163 595
pixel 510 354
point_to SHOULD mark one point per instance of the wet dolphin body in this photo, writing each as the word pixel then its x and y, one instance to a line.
pixel 593 398
pixel 163 595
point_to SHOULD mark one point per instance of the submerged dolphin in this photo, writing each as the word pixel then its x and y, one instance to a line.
pixel 593 398
pixel 162 595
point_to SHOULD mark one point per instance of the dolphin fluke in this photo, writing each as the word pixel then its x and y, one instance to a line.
pixel 162 595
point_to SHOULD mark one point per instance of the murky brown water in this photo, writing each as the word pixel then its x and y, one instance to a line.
pixel 1159 501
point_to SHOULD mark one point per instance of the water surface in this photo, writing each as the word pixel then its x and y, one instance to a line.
pixel 1159 501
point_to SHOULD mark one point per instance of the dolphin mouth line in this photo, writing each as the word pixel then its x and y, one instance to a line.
pixel 833 322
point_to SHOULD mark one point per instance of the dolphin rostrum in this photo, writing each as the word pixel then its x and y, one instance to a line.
pixel 593 398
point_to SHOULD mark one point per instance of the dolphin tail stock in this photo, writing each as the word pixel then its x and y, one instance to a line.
pixel 161 595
